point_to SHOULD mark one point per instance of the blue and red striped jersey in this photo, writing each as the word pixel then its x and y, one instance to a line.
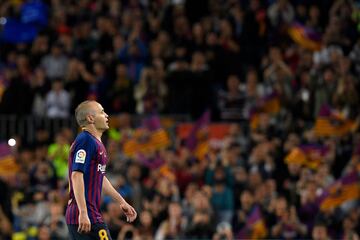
pixel 87 155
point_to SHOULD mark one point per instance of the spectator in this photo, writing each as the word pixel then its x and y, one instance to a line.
pixel 43 177
pixel 119 96
pixel 278 76
pixel 16 98
pixel 201 226
pixel 232 102
pixel 5 229
pixel 55 63
pixel 246 205
pixel 281 12
pixel 325 88
pixel 349 229
pixel 150 92
pixel 308 205
pixel 201 84
pixel 40 87
pixel 57 101
pixel 114 221
pixel 134 54
pixel 179 81
pixel 98 82
pixel 58 152
pixel 320 232
pixel 146 229
pixel 44 232
pixel 56 222
pixel 223 231
pixel 189 51
pixel 84 42
pixel 174 225
pixel 221 198
pixel 77 82
pixel 39 49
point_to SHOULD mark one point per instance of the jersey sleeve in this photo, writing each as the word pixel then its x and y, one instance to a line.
pixel 83 151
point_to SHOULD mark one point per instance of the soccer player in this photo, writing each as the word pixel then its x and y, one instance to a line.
pixel 87 167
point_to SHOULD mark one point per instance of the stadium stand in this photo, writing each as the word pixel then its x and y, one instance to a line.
pixel 229 119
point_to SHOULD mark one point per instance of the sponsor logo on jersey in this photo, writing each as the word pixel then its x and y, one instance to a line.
pixel 101 168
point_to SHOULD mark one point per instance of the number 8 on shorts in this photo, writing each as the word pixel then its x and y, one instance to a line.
pixel 103 234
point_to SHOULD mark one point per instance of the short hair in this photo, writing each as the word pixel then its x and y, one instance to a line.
pixel 82 111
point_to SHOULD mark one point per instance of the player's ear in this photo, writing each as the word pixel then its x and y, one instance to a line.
pixel 90 119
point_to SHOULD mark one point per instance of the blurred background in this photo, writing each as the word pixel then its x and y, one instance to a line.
pixel 229 119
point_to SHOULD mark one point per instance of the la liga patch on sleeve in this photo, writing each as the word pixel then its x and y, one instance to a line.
pixel 80 156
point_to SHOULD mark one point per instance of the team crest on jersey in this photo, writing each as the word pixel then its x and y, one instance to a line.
pixel 80 156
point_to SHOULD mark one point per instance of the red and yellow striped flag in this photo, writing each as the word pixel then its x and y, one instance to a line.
pixel 147 139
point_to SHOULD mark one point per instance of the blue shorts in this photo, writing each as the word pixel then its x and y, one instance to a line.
pixel 98 231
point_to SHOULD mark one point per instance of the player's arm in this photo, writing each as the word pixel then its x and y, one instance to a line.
pixel 128 210
pixel 77 179
pixel 83 152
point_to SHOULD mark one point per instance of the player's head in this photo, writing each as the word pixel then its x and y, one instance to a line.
pixel 91 113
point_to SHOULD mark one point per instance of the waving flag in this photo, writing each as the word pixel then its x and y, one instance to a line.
pixel 332 123
pixel 309 155
pixel 198 141
pixel 269 104
pixel 344 189
pixel 305 36
pixel 255 226
pixel 148 138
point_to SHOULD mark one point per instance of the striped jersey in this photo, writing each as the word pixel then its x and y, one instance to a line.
pixel 87 155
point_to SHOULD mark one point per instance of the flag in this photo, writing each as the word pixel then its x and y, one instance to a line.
pixel 305 36
pixel 269 104
pixel 254 119
pixel 8 165
pixel 308 155
pixel 332 123
pixel 255 227
pixel 198 141
pixel 345 189
pixel 147 139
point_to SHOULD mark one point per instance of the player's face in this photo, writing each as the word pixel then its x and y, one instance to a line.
pixel 101 118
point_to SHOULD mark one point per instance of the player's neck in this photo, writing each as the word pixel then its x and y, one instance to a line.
pixel 93 131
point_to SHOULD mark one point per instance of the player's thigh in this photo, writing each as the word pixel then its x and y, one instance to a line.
pixel 75 235
pixel 100 231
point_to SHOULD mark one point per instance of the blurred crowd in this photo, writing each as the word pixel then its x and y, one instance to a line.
pixel 186 57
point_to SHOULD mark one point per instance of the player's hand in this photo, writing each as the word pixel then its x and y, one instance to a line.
pixel 84 223
pixel 129 212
